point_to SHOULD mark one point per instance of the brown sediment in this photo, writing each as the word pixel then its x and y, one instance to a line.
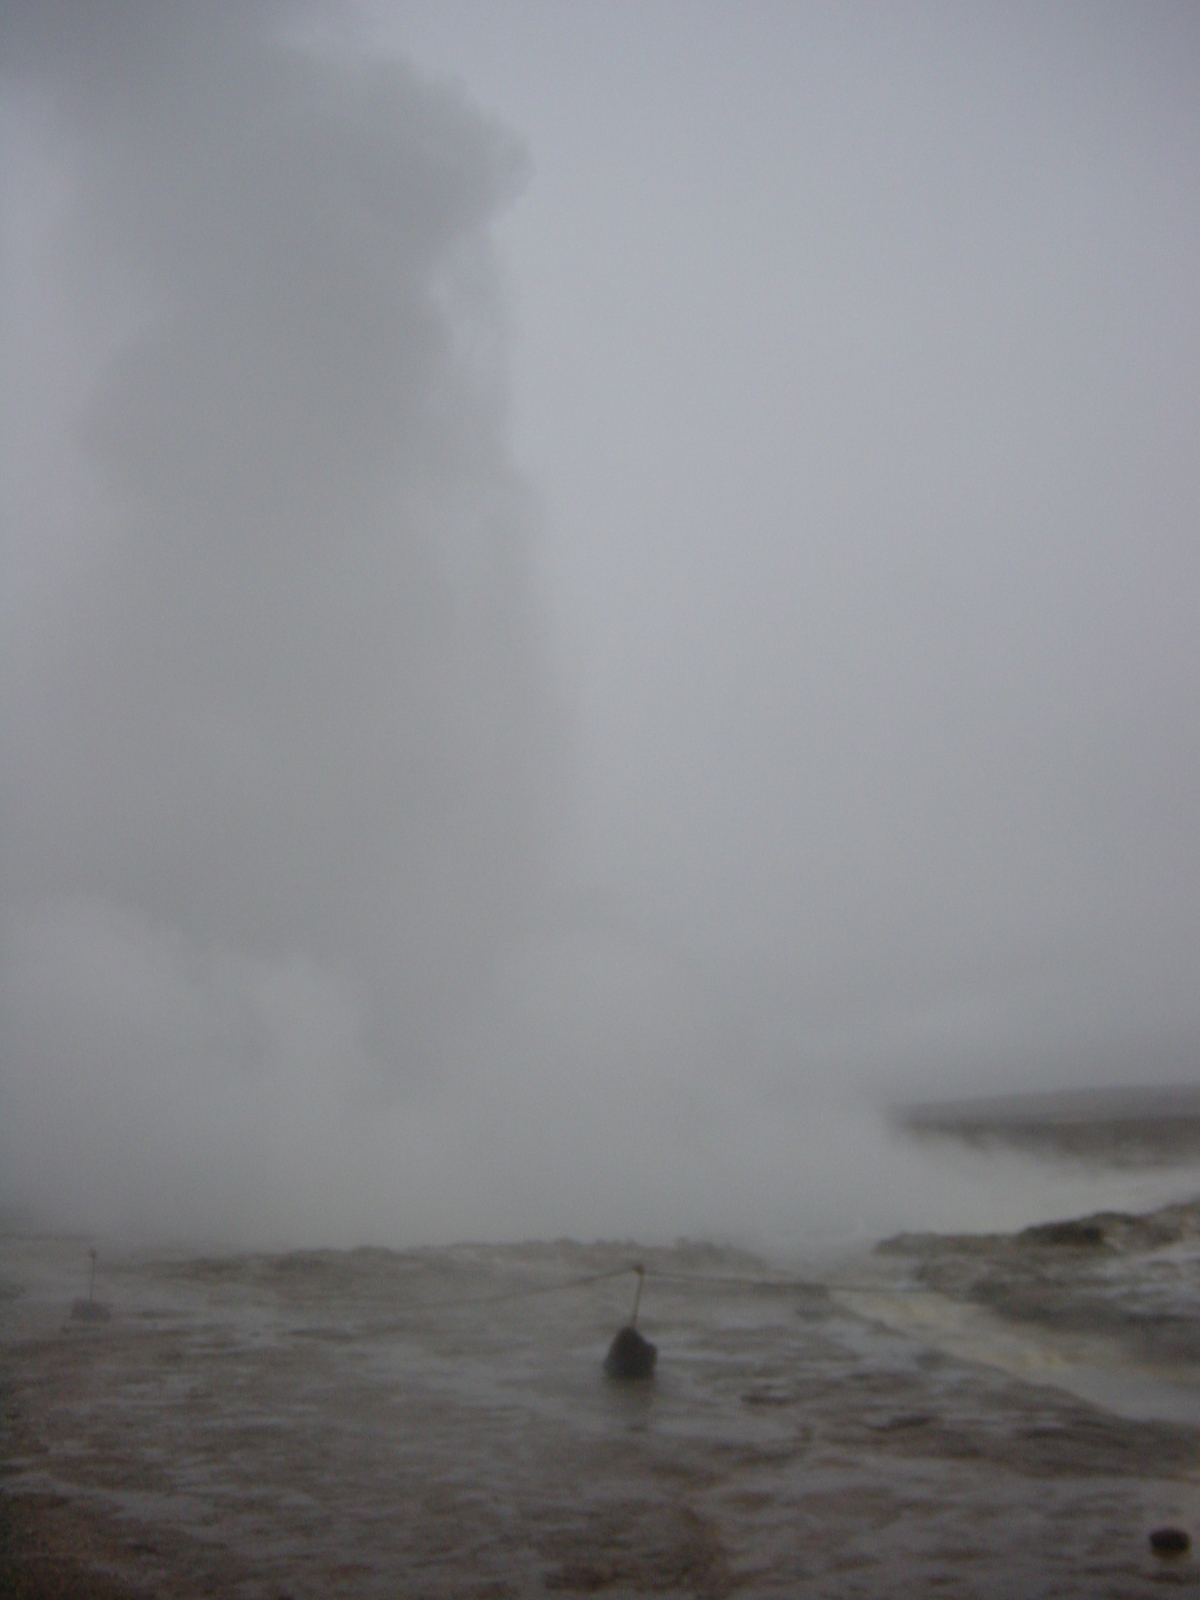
pixel 52 1550
pixel 251 1441
pixel 52 1546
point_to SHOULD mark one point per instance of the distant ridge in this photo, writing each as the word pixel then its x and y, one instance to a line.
pixel 1131 1125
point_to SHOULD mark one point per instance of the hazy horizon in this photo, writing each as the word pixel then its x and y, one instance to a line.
pixel 587 598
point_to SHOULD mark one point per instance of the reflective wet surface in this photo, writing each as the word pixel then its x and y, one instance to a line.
pixel 438 1422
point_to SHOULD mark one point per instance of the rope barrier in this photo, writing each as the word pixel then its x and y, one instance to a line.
pixel 791 1285
pixel 733 1280
pixel 759 1284
pixel 527 1292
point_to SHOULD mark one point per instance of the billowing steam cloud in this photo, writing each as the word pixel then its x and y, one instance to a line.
pixel 281 764
pixel 327 915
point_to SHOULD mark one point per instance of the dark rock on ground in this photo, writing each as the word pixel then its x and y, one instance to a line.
pixel 1170 1542
pixel 630 1356
pixel 90 1311
pixel 1087 1233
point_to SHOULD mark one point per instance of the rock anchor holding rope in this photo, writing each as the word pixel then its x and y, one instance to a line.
pixel 91 1309
pixel 629 1355
pixel 1170 1542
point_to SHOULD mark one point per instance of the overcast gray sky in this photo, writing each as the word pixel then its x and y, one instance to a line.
pixel 580 584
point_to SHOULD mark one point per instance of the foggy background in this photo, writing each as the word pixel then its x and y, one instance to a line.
pixel 588 595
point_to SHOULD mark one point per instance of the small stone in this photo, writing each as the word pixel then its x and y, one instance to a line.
pixel 1170 1542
